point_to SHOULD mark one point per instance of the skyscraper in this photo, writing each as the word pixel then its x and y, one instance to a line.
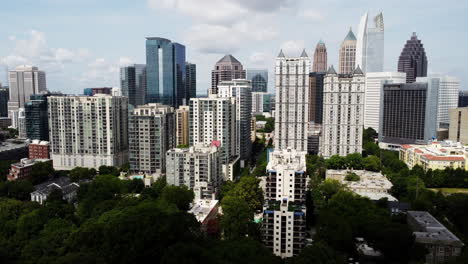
pixel 413 59
pixel 463 99
pixel 88 131
pixel 316 97
pixel 374 85
pixel 375 46
pixel 151 135
pixel 408 113
pixel 190 81
pixel 165 72
pixel 4 97
pixel 343 113
pixel 214 119
pixel 320 57
pixel 292 101
pixel 347 62
pixel 259 80
pixel 448 89
pixel 361 43
pixel 182 125
pixel 226 69
pixel 24 81
pixel 241 90
pixel 133 83
pixel 37 122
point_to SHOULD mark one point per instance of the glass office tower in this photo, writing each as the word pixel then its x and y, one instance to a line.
pixel 165 72
pixel 259 79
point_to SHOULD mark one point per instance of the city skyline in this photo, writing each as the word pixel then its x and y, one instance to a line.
pixel 73 64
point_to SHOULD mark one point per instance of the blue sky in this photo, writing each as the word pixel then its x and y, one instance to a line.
pixel 82 43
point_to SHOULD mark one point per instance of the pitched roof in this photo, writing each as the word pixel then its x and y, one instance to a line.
pixel 350 35
pixel 358 70
pixel 281 54
pixel 443 158
pixel 304 54
pixel 331 70
pixel 229 59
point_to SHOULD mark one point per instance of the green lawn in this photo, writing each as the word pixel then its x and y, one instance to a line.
pixel 448 191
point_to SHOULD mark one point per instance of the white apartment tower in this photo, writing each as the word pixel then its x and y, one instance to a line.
pixel 374 86
pixel 213 119
pixel 241 91
pixel 151 134
pixel 448 90
pixel 88 131
pixel 343 113
pixel 258 99
pixel 197 167
pixel 284 215
pixel 292 105
pixel 24 81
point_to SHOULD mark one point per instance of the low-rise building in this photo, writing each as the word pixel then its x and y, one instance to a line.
pixel 43 190
pixel 22 170
pixel 435 156
pixel 39 149
pixel 458 124
pixel 260 124
pixel 442 244
pixel 206 212
pixel 13 149
pixel 372 185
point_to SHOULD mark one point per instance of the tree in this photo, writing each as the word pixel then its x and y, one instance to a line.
pixel 354 160
pixel 41 172
pixel 318 253
pixel 181 196
pixel 371 163
pixel 352 177
pixel 336 162
pixel 237 215
pixel 108 170
pixel 77 174
pixel 19 189
pixel 324 192
pixel 249 190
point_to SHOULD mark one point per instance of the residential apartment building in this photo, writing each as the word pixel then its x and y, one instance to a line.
pixel 374 86
pixel 182 115
pixel 151 134
pixel 197 167
pixel 435 155
pixel 39 149
pixel 292 101
pixel 88 131
pixel 284 214
pixel 458 128
pixel 241 91
pixel 22 169
pixel 343 113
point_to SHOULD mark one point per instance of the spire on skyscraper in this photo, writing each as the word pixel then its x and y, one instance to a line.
pixel 413 59
pixel 281 54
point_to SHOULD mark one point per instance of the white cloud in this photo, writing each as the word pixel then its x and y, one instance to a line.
pixel 293 48
pixel 261 59
pixel 313 15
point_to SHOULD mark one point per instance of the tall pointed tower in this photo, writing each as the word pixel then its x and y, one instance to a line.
pixel 347 62
pixel 413 59
pixel 320 57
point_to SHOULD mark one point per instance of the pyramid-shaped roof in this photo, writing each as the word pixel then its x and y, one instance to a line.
pixel 304 54
pixel 358 70
pixel 350 35
pixel 331 70
pixel 228 59
pixel 281 54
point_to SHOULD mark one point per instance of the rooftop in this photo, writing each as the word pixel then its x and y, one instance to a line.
pixel 62 183
pixel 229 59
pixel 202 208
pixel 289 158
pixel 13 144
pixel 431 230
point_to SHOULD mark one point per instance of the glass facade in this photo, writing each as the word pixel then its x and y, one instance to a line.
pixel 133 83
pixel 165 72
pixel 413 59
pixel 259 79
pixel 37 122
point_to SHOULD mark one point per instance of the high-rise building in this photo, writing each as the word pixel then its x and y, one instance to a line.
pixel 361 43
pixel 292 101
pixel 226 69
pixel 97 90
pixel 347 62
pixel 151 134
pixel 165 72
pixel 197 167
pixel 374 85
pixel 21 123
pixel 316 97
pixel 448 89
pixel 37 121
pixel 214 119
pixel 320 57
pixel 463 99
pixel 408 113
pixel 413 59
pixel 375 46
pixel 133 83
pixel 259 80
pixel 284 214
pixel 182 125
pixel 24 81
pixel 4 97
pixel 88 131
pixel 241 90
pixel 190 81
pixel 458 130
pixel 259 100
pixel 343 113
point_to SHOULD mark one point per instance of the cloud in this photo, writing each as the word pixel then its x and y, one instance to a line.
pixel 313 15
pixel 293 48
pixel 260 59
